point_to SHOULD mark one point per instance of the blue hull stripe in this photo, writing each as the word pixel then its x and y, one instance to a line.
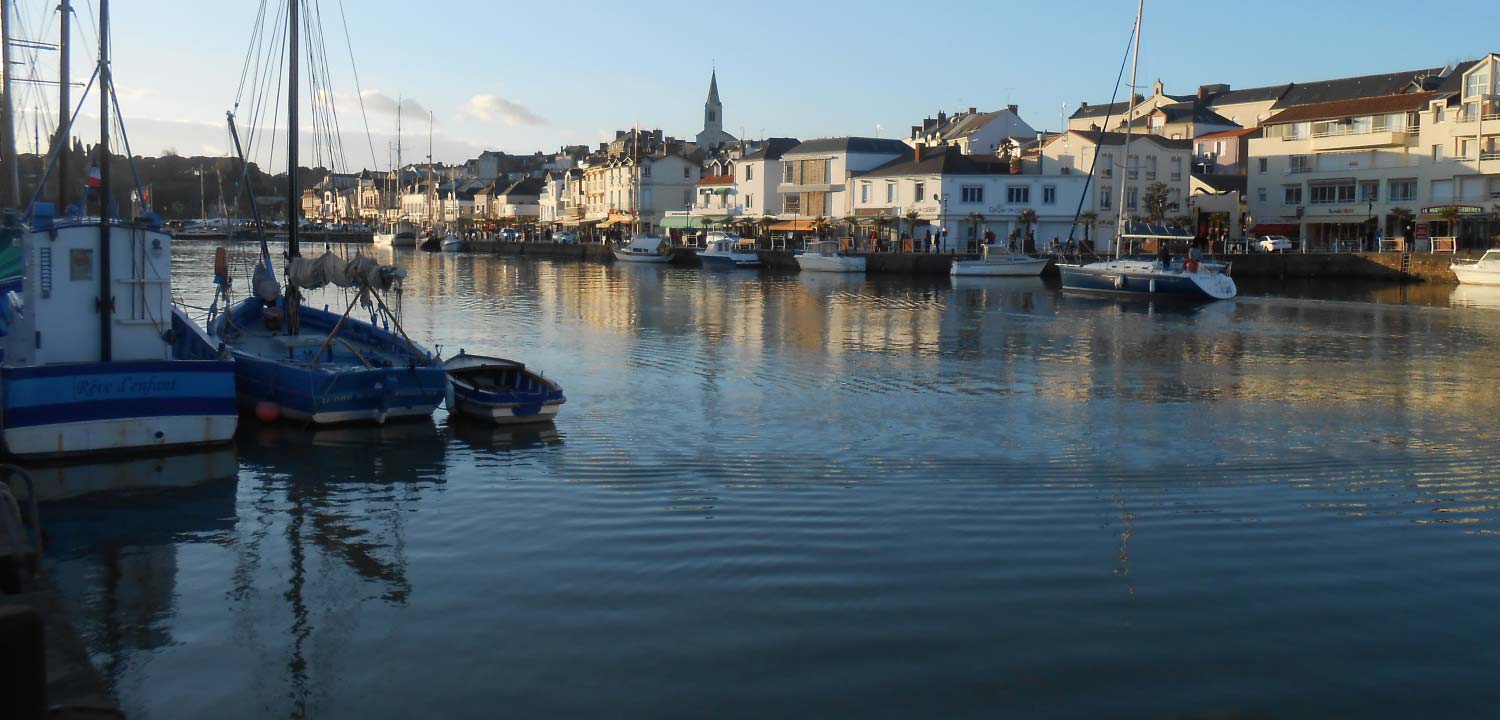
pixel 124 366
pixel 118 410
pixel 147 386
pixel 1075 279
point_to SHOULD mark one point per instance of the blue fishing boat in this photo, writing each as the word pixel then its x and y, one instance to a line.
pixel 300 363
pixel 92 359
pixel 499 391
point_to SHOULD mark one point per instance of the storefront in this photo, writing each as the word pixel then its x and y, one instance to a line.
pixel 1468 226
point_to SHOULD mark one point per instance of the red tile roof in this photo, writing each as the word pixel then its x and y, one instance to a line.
pixel 1351 108
pixel 1228 133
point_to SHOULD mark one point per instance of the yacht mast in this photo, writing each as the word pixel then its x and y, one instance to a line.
pixel 8 141
pixel 64 103
pixel 1120 224
pixel 106 299
pixel 293 189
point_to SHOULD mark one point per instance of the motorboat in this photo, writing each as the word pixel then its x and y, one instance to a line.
pixel 722 250
pixel 1484 271
pixel 402 234
pixel 1185 278
pixel 998 261
pixel 825 256
pixel 452 243
pixel 500 391
pixel 646 249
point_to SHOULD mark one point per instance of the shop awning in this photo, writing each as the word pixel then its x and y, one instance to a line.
pixel 1276 229
pixel 792 226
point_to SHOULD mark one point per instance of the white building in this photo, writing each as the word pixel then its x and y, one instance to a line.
pixel 1152 159
pixel 560 200
pixel 966 195
pixel 815 174
pixel 973 132
pixel 1331 173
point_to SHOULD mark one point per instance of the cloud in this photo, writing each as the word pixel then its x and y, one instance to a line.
pixel 494 107
pixel 381 103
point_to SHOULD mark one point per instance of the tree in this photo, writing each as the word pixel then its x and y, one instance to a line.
pixel 819 226
pixel 1156 201
pixel 1450 215
pixel 1182 222
pixel 764 225
pixel 975 219
pixel 1027 219
pixel 1089 219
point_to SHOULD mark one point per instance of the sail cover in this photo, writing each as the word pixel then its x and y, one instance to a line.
pixel 361 271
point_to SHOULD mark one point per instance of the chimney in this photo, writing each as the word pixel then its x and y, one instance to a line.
pixel 942 118
pixel 916 131
pixel 1138 99
pixel 928 124
pixel 619 134
pixel 973 111
pixel 919 148
pixel 1083 106
pixel 1014 109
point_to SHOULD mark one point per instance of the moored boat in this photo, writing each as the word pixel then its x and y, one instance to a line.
pixel 1484 271
pixel 400 234
pixel 645 249
pixel 452 243
pixel 1001 263
pixel 1184 278
pixel 722 250
pixel 825 256
pixel 499 391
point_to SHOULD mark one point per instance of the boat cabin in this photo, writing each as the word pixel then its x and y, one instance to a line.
pixel 648 245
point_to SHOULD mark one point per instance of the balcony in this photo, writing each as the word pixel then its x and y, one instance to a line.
pixel 1344 139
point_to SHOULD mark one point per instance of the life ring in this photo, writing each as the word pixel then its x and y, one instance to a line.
pixel 1190 265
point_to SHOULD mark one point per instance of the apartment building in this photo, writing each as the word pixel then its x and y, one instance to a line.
pixel 815 174
pixel 1151 159
pixel 1334 173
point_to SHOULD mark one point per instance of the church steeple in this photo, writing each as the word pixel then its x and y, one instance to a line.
pixel 713 134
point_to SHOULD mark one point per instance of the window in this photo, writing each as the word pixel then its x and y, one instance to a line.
pixel 749 173
pixel 687 197
pixel 687 173
pixel 645 171
pixel 786 172
pixel 792 204
pixel 1260 194
pixel 1291 195
pixel 1049 195
pixel 972 194
pixel 1339 193
pixel 1132 166
pixel 1151 167
pixel 710 116
pixel 890 192
pixel 1369 191
pixel 1106 198
pixel 1301 164
pixel 864 193
pixel 919 189
pixel 750 202
pixel 1018 194
pixel 1476 84
pixel 1437 153
pixel 1438 114
pixel 1200 149
pixel 1442 191
pixel 1176 168
pixel 1466 148
pixel 1403 190
pixel 1106 165
pixel 1262 162
pixel 1132 198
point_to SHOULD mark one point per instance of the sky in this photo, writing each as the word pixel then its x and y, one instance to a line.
pixel 527 76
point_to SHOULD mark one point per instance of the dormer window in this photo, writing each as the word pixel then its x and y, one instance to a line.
pixel 1476 84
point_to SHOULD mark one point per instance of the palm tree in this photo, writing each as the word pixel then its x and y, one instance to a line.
pixel 912 216
pixel 977 219
pixel 1027 218
pixel 764 226
pixel 1450 215
pixel 1088 218
pixel 819 226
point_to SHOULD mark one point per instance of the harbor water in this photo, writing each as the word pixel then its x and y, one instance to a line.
pixel 805 495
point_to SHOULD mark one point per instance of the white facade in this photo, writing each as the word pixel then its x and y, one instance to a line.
pixel 951 201
pixel 815 174
pixel 972 132
pixel 1151 159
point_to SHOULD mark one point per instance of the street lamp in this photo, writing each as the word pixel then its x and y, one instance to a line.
pixel 1371 234
pixel 942 219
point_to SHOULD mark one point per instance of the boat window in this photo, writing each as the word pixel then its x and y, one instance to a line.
pixel 80 264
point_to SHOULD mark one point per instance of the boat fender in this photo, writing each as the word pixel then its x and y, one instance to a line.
pixel 1152 286
pixel 1190 265
pixel 1119 282
pixel 221 266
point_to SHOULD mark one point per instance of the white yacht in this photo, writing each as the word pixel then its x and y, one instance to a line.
pixel 645 249
pixel 997 260
pixel 825 256
pixel 722 250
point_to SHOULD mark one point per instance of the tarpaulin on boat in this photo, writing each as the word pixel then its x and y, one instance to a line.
pixel 361 271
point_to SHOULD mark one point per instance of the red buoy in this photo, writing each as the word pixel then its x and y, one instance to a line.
pixel 267 411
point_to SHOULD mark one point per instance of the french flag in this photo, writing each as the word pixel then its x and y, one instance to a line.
pixel 94 179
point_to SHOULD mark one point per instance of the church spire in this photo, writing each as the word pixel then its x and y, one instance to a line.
pixel 713 88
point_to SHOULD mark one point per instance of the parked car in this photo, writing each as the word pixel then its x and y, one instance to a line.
pixel 508 235
pixel 564 237
pixel 1273 243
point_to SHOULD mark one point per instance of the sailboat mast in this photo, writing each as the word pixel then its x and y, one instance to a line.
pixel 293 189
pixel 106 300
pixel 1140 11
pixel 64 101
pixel 8 149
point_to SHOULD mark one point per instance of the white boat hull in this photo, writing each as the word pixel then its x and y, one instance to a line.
pixel 831 263
pixel 452 244
pixel 658 258
pixel 384 239
pixel 135 433
pixel 504 415
pixel 1017 266
pixel 1471 275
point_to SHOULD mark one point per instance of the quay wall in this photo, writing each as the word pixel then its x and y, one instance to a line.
pixel 1422 267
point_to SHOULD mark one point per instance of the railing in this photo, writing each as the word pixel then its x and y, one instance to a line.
pixel 1298 169
pixel 1339 130
pixel 1490 155
pixel 1176 176
pixel 1464 116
